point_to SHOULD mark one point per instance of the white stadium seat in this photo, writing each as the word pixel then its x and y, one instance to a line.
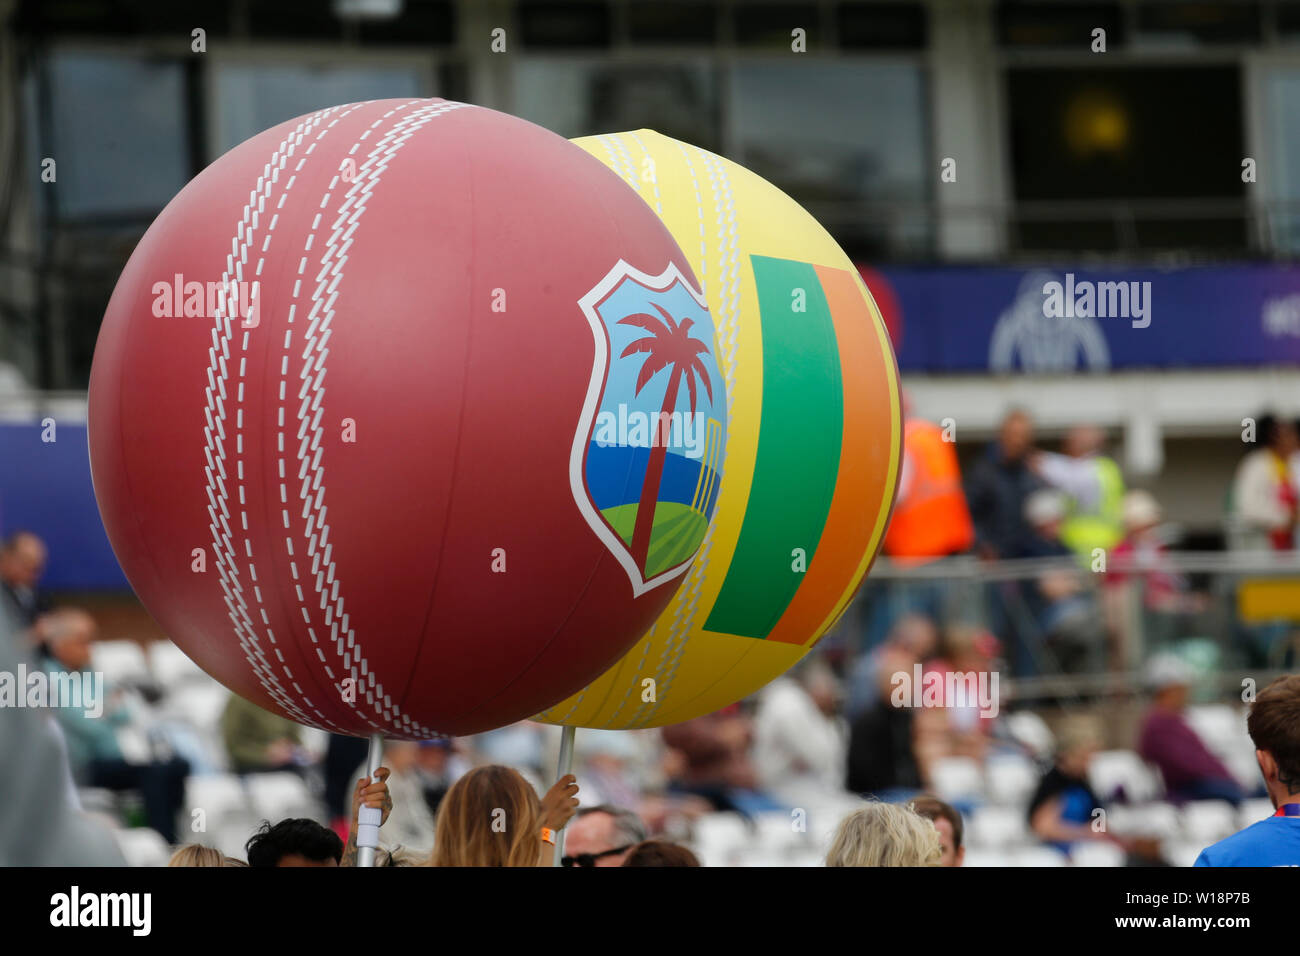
pixel 1112 770
pixel 1032 731
pixel 219 796
pixel 171 667
pixel 121 662
pixel 1037 856
pixel 1158 820
pixel 957 779
pixel 1218 725
pixel 977 857
pixel 718 836
pixel 1010 779
pixel 1181 852
pixel 997 827
pixel 1096 853
pixel 142 846
pixel 1252 811
pixel 200 703
pixel 1208 821
pixel 275 796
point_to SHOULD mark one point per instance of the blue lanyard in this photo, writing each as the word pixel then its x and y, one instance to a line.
pixel 1288 810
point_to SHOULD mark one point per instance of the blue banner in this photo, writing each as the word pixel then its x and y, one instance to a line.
pixel 45 487
pixel 1000 320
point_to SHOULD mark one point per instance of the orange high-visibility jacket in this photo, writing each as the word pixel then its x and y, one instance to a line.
pixel 931 519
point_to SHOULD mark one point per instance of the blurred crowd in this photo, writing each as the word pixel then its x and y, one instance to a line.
pixel 798 773
pixel 1091 585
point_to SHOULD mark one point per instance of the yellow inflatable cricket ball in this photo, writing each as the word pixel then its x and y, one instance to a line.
pixel 814 441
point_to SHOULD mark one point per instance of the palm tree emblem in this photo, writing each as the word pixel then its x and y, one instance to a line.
pixel 668 346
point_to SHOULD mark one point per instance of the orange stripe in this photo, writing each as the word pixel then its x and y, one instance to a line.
pixel 864 462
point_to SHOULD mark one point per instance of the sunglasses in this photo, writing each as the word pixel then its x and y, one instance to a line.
pixel 589 859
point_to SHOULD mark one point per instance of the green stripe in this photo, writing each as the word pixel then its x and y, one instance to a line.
pixel 798 456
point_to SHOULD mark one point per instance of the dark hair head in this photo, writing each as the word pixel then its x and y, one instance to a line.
pixel 1274 725
pixel 932 808
pixel 1266 428
pixel 305 838
pixel 659 853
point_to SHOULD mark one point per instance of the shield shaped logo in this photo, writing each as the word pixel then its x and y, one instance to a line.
pixel 647 455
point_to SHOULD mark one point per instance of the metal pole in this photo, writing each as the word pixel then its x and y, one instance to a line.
pixel 566 766
pixel 369 818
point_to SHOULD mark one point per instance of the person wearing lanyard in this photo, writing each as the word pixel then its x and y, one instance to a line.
pixel 1274 727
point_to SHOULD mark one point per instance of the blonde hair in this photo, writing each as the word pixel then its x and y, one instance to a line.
pixel 489 817
pixel 196 854
pixel 884 834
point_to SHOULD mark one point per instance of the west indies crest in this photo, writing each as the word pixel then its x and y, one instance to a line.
pixel 648 452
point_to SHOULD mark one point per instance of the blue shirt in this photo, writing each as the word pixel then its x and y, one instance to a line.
pixel 1274 841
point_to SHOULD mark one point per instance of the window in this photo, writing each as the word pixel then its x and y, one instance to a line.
pixel 576 98
pixel 114 119
pixel 253 96
pixel 835 134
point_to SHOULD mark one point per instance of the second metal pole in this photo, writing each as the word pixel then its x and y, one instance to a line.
pixel 566 766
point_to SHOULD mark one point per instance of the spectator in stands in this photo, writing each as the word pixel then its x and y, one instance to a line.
pixel 439 764
pixel 22 562
pixel 947 821
pixel 1167 740
pixel 93 751
pixel 930 518
pixel 915 633
pixel 882 749
pixel 196 854
pixel 1065 609
pixel 294 842
pixel 963 725
pixel 997 488
pixel 609 767
pixel 342 755
pixel 660 853
pixel 602 836
pixel 258 741
pixel 1274 728
pixel 411 821
pixel 492 817
pixel 1064 810
pixel 800 741
pixel 1094 488
pixel 884 834
pixel 1164 589
pixel 1141 558
pixel 709 757
pixel 1264 491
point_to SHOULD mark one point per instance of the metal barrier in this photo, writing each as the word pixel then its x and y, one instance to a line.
pixel 1068 631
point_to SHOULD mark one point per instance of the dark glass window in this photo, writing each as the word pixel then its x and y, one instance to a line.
pixel 673 21
pixel 1068 25
pixel 1237 22
pixel 770 24
pixel 881 26
pixel 573 24
pixel 576 98
pixel 1131 135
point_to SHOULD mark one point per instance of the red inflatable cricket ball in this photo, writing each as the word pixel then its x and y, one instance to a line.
pixel 341 419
